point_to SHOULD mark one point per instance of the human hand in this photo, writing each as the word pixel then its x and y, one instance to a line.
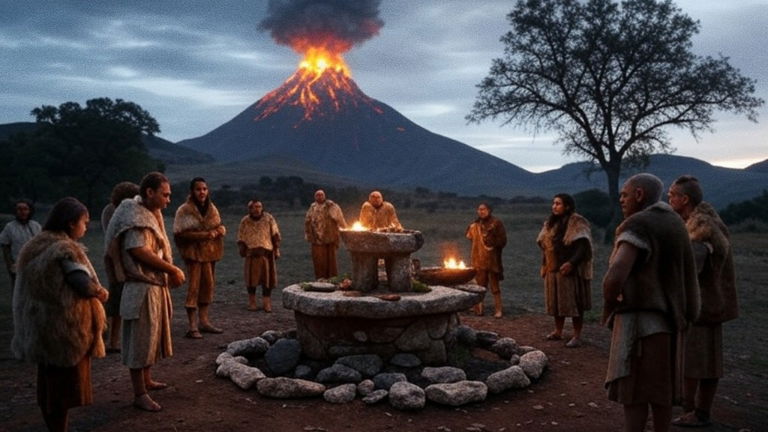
pixel 277 253
pixel 102 294
pixel 176 277
pixel 566 268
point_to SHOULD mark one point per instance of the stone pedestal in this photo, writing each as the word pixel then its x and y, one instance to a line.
pixel 395 248
pixel 330 325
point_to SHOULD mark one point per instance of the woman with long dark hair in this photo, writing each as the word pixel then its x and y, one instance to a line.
pixel 566 244
pixel 58 314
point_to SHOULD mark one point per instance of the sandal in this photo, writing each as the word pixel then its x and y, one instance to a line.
pixel 193 334
pixel 554 337
pixel 691 420
pixel 145 403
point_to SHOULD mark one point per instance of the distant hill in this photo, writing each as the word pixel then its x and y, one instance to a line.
pixel 722 186
pixel 158 148
pixel 758 167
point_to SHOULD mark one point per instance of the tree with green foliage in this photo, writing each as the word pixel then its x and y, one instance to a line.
pixel 609 78
pixel 83 151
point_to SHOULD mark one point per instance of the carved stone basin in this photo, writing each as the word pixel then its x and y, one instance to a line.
pixel 367 247
pixel 381 242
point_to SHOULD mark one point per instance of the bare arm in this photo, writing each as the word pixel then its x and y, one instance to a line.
pixel 618 271
pixel 146 256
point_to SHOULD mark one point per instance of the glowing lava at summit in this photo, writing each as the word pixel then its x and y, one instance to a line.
pixel 320 30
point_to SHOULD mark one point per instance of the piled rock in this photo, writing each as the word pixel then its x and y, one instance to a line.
pixel 273 364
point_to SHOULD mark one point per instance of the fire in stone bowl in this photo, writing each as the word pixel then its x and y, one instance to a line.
pixel 445 276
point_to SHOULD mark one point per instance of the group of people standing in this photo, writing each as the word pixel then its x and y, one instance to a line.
pixel 669 286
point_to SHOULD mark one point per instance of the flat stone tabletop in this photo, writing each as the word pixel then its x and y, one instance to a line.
pixel 334 304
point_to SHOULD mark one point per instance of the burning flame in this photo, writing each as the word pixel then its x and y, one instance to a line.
pixel 357 226
pixel 318 60
pixel 323 80
pixel 452 264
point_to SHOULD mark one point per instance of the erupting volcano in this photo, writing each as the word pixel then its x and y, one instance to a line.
pixel 319 119
pixel 321 86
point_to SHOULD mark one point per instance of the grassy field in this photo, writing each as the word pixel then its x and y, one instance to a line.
pixel 746 340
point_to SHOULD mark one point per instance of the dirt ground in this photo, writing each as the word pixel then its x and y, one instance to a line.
pixel 569 397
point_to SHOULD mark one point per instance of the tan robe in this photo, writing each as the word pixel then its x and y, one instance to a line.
pixel 566 295
pixel 146 306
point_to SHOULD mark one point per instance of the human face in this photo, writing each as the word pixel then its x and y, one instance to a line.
pixel 320 197
pixel 200 192
pixel 158 199
pixel 255 208
pixel 376 199
pixel 483 211
pixel 558 207
pixel 677 200
pixel 22 212
pixel 77 229
pixel 630 199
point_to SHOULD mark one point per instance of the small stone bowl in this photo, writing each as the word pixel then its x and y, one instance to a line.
pixel 445 276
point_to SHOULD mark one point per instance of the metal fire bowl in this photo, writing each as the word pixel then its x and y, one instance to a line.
pixel 445 276
pixel 383 243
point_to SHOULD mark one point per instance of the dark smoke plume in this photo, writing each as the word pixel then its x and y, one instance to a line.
pixel 336 24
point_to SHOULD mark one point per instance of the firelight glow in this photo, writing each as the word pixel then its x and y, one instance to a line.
pixel 451 263
pixel 357 226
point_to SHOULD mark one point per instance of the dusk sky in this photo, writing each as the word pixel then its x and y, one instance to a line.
pixel 196 64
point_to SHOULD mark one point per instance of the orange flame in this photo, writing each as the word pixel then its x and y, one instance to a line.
pixel 357 226
pixel 451 263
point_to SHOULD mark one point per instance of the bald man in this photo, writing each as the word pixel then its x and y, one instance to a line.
pixel 379 214
pixel 321 230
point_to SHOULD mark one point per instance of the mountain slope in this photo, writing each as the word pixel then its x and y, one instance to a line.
pixel 346 133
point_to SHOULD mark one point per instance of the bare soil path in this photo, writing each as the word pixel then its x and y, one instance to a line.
pixel 569 397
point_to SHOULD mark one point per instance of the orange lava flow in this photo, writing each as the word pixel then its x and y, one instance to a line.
pixel 321 81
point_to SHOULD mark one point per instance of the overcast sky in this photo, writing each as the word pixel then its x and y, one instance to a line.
pixel 196 64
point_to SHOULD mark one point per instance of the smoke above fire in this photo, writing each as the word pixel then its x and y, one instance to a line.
pixel 332 26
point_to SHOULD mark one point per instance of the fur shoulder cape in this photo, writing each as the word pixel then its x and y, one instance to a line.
pixel 190 230
pixel 52 324
pixel 717 279
pixel 131 214
pixel 578 228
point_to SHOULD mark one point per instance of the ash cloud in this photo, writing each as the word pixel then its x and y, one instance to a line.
pixel 341 23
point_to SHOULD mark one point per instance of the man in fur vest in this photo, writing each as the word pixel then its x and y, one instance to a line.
pixel 258 241
pixel 651 295
pixel 199 236
pixel 379 214
pixel 717 281
pixel 321 229
pixel 488 238
pixel 137 242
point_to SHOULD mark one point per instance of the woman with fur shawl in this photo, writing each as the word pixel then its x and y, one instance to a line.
pixel 566 244
pixel 58 314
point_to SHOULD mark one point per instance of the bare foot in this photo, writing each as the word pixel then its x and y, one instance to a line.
pixel 145 403
pixel 156 385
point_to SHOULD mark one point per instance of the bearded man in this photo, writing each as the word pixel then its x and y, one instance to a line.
pixel 321 229
pixel 141 252
pixel 651 295
pixel 199 236
pixel 16 233
pixel 717 281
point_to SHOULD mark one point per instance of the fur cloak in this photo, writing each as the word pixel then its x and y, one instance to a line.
pixel 578 228
pixel 131 214
pixel 717 280
pixel 190 232
pixel 52 323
